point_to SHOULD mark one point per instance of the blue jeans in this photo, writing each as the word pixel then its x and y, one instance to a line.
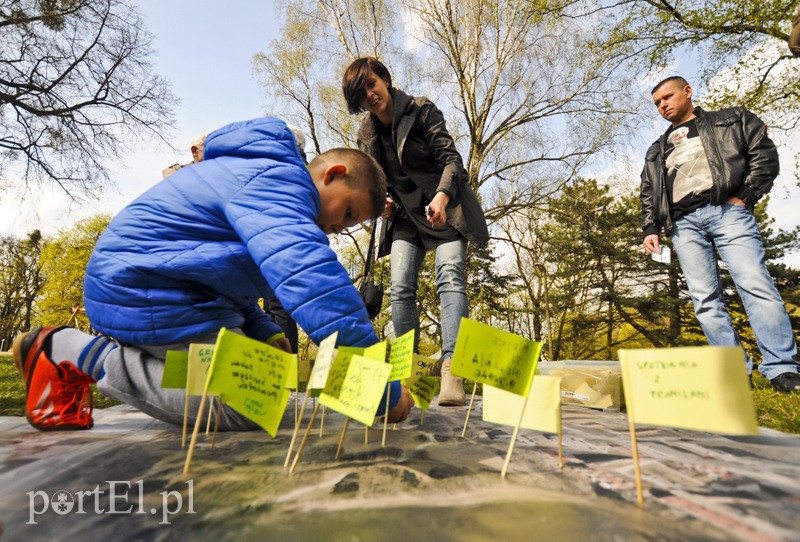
pixel 450 263
pixel 733 231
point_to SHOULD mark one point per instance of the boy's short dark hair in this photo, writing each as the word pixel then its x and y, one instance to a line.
pixel 354 79
pixel 364 173
pixel 678 78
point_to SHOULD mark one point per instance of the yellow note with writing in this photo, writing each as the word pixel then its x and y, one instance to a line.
pixel 251 377
pixel 703 388
pixel 401 356
pixel 495 357
pixel 322 366
pixel 542 412
pixel 358 389
pixel 423 389
pixel 420 366
pixel 200 356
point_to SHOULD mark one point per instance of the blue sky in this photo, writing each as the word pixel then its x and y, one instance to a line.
pixel 205 50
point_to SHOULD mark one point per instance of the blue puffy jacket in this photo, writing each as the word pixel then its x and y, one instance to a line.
pixel 195 252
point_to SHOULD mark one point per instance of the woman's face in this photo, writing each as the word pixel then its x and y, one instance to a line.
pixel 377 99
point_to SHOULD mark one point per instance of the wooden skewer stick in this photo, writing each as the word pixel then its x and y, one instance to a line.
pixel 216 421
pixel 471 401
pixel 514 438
pixel 341 439
pixel 305 438
pixel 297 422
pixel 185 419
pixel 196 430
pixel 386 414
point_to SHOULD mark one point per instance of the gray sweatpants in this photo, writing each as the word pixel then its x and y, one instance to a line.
pixel 133 376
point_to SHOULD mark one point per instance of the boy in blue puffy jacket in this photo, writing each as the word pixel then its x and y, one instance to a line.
pixel 194 254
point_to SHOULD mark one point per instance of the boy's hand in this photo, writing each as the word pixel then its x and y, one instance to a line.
pixel 402 409
pixel 436 209
pixel 388 208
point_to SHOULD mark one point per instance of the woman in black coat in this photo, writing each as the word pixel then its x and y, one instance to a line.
pixel 431 206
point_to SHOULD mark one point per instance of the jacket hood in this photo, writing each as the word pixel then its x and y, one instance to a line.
pixel 265 137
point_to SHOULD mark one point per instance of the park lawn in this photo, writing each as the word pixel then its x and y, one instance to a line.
pixel 12 391
pixel 775 410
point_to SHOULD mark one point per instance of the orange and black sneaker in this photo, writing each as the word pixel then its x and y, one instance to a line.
pixel 58 396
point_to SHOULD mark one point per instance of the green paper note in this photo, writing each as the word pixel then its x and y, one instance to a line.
pixel 304 371
pixel 491 356
pixel 401 356
pixel 250 377
pixel 542 411
pixel 294 374
pixel 175 367
pixel 322 366
pixel 423 389
pixel 360 389
pixel 199 361
pixel 701 387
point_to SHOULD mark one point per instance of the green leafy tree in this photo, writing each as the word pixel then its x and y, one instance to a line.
pixel 63 263
pixel 21 277
pixel 742 40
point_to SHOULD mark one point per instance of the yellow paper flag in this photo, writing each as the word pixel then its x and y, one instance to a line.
pixel 495 357
pixel 325 356
pixel 200 356
pixel 250 376
pixel 359 390
pixel 401 356
pixel 702 388
pixel 421 366
pixel 423 389
pixel 542 412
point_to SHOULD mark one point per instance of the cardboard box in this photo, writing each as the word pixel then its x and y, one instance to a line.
pixel 588 383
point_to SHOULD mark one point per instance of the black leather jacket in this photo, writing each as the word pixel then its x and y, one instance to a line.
pixel 429 157
pixel 742 158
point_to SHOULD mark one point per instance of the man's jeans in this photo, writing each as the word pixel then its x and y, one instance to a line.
pixel 733 231
pixel 450 262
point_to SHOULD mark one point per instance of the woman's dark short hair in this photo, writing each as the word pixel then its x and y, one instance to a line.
pixel 355 77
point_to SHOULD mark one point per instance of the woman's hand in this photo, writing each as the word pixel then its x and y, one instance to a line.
pixel 388 209
pixel 437 215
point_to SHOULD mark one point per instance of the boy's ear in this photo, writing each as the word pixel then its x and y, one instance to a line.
pixel 333 171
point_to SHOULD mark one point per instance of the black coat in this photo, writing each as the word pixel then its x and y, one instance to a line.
pixel 429 158
pixel 742 158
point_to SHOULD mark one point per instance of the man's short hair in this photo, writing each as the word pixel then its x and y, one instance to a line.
pixel 354 79
pixel 683 82
pixel 364 173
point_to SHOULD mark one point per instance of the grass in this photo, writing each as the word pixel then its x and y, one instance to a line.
pixel 775 410
pixel 12 391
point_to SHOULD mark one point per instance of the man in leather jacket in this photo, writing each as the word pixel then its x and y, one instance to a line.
pixel 700 181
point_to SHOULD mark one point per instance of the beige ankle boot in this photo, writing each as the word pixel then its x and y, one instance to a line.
pixel 452 392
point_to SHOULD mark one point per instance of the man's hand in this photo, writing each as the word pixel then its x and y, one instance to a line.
pixel 438 215
pixel 283 343
pixel 733 200
pixel 388 208
pixel 652 244
pixel 402 409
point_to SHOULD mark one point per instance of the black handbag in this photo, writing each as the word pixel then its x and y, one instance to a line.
pixel 371 292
